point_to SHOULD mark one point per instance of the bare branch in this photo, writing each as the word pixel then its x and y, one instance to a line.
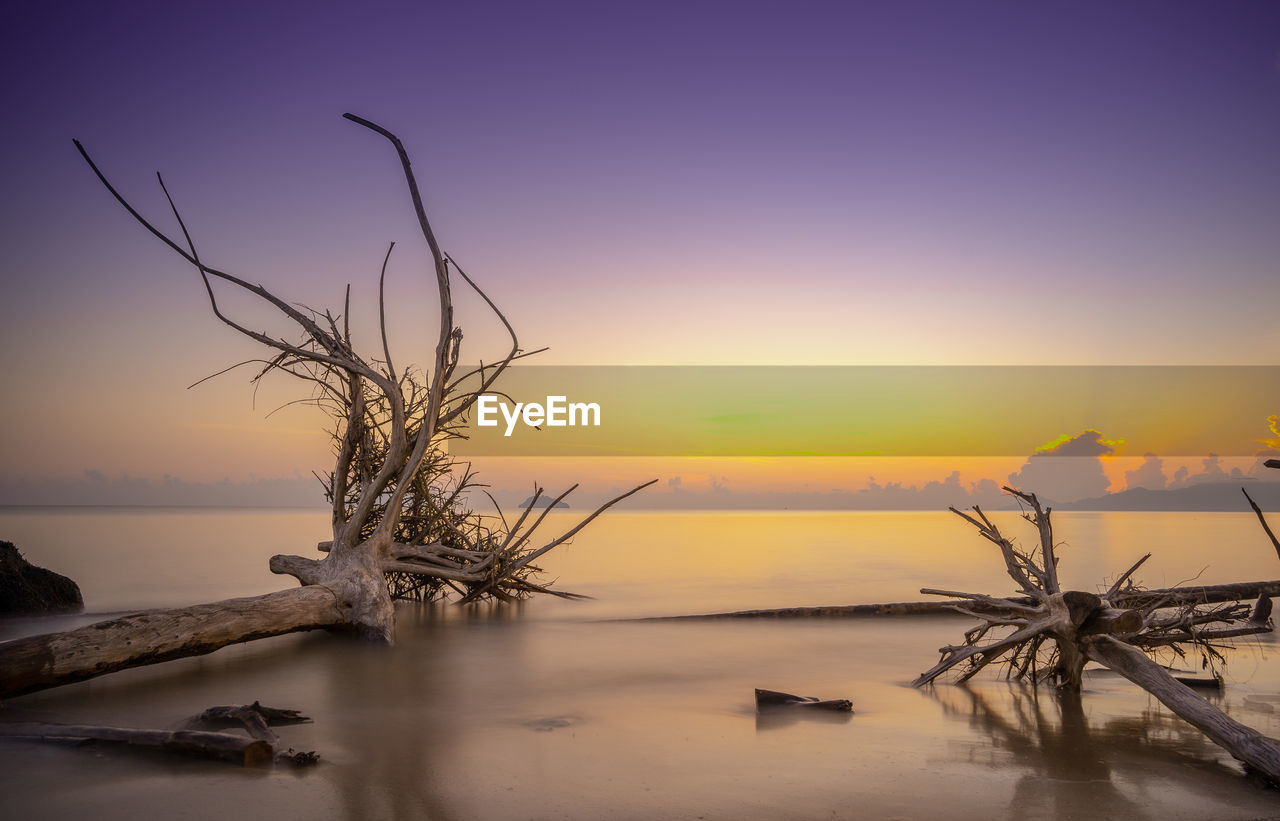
pixel 1263 520
pixel 1124 577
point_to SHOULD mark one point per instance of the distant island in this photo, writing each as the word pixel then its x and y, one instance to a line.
pixel 1222 497
pixel 543 501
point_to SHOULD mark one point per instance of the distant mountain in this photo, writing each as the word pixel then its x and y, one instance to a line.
pixel 1224 497
pixel 543 501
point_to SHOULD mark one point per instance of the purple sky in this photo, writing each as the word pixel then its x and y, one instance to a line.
pixel 747 183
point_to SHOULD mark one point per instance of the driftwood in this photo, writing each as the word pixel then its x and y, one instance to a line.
pixel 1266 528
pixel 1170 596
pixel 38 662
pixel 224 746
pixel 772 700
pixel 256 719
pixel 1046 633
pixel 259 748
pixel 400 525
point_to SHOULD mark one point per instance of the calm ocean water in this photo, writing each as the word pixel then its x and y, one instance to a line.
pixel 557 709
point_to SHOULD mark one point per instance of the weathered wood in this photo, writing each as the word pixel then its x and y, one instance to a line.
pixel 1080 606
pixel 1082 626
pixel 222 746
pixel 1170 596
pixel 1202 636
pixel 1197 594
pixel 396 486
pixel 985 653
pixel 37 662
pixel 1261 613
pixel 918 608
pixel 256 719
pixel 1257 511
pixel 772 699
pixel 1244 743
pixel 1112 621
pixel 1124 577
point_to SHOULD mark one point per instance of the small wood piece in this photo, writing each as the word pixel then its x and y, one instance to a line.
pixel 772 699
pixel 255 718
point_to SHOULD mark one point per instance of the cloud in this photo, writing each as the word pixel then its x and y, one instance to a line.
pixel 1273 422
pixel 1270 450
pixel 934 495
pixel 1067 469
pixel 1087 443
pixel 1211 471
pixel 1150 474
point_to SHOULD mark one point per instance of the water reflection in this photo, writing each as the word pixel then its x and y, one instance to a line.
pixel 776 718
pixel 1075 767
pixel 392 723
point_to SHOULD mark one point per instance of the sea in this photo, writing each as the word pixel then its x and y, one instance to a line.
pixel 602 709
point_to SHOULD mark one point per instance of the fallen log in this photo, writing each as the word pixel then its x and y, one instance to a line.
pixel 1137 599
pixel 917 608
pixel 221 746
pixel 1199 594
pixel 37 662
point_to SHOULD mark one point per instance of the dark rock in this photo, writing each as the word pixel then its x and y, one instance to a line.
pixel 27 590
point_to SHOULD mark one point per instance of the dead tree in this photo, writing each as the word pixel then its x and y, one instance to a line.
pixel 1043 633
pixel 398 506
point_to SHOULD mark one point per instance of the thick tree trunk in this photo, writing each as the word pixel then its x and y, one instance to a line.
pixel 38 662
pixel 1244 743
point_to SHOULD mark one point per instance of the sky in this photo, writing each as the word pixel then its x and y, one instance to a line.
pixel 634 183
